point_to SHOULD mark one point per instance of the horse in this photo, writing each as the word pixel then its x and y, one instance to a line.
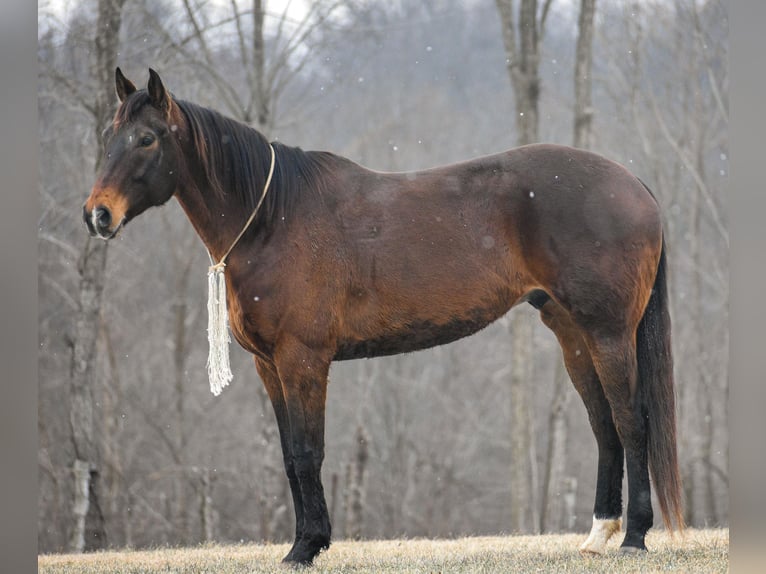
pixel 341 262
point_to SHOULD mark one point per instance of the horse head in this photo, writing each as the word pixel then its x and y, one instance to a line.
pixel 140 168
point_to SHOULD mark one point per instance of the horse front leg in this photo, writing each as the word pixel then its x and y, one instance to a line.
pixel 303 374
pixel 273 385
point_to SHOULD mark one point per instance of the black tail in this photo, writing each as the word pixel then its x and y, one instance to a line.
pixel 655 374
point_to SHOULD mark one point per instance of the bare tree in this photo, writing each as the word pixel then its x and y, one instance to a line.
pixel 555 481
pixel 266 59
pixel 355 483
pixel 583 112
pixel 522 38
pixel 183 258
pixel 555 467
pixel 88 529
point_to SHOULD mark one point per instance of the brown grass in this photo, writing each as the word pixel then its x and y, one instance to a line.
pixel 696 551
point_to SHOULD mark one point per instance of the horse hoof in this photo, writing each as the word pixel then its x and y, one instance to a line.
pixel 305 550
pixel 600 533
pixel 591 551
pixel 633 550
pixel 293 564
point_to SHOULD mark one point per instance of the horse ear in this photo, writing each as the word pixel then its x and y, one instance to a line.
pixel 157 93
pixel 123 85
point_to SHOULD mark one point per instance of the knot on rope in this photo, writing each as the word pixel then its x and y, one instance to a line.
pixel 217 268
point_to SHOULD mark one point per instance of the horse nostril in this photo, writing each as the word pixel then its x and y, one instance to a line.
pixel 102 218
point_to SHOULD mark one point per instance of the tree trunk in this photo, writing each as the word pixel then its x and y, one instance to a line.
pixel 88 528
pixel 262 113
pixel 523 61
pixel 80 504
pixel 570 502
pixel 553 487
pixel 357 469
pixel 112 452
pixel 180 352
pixel 706 498
pixel 207 512
pixel 523 483
pixel 583 113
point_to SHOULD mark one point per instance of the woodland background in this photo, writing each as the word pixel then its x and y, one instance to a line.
pixel 482 436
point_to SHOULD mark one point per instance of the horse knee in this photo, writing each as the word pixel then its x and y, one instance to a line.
pixel 308 465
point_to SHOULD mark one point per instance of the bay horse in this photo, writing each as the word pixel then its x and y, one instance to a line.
pixel 343 262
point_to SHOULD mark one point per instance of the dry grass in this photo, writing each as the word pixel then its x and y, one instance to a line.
pixel 697 551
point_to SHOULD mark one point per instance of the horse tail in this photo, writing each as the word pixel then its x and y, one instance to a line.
pixel 657 400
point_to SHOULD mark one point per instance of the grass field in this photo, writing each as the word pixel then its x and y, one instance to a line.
pixel 697 551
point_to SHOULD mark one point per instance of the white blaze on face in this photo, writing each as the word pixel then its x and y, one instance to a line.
pixel 600 533
pixel 94 219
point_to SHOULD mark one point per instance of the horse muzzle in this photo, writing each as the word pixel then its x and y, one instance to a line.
pixel 99 222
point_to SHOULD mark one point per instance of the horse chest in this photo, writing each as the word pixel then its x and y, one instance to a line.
pixel 245 326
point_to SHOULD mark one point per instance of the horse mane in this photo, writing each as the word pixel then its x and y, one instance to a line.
pixel 236 158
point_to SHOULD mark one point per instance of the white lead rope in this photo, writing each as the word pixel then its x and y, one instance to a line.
pixel 218 365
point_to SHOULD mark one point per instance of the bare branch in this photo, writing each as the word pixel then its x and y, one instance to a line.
pixel 702 47
pixel 297 40
pixel 151 422
pixel 240 36
pixel 692 169
pixel 508 27
pixel 280 25
pixel 544 17
pixel 242 50
pixel 61 290
pixel 224 89
pixel 198 32
pixel 70 87
pixel 70 249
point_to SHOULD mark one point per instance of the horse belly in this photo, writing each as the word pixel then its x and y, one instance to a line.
pixel 434 304
pixel 418 334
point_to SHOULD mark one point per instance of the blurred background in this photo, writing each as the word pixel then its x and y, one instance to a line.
pixel 485 435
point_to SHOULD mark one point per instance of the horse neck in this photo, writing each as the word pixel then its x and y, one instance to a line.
pixel 216 220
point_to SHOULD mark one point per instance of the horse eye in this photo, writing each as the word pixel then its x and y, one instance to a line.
pixel 147 141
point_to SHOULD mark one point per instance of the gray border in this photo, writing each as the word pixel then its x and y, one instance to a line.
pixel 748 287
pixel 18 286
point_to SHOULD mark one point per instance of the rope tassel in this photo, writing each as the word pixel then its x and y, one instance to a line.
pixel 218 367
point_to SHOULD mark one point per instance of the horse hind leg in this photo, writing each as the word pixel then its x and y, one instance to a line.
pixel 607 508
pixel 614 358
